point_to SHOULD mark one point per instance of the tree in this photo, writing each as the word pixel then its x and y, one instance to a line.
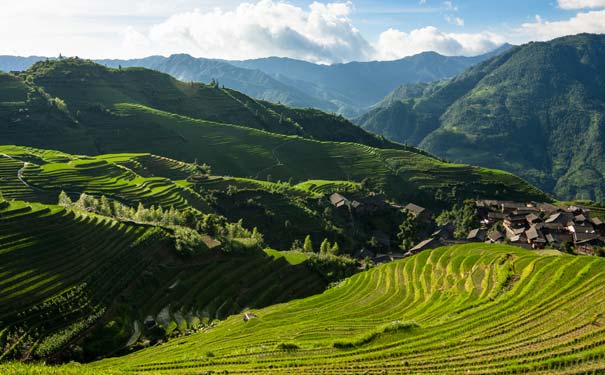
pixel 308 245
pixel 324 248
pixel 1 197
pixel 65 200
pixel 408 231
pixel 105 207
pixel 335 249
pixel 463 218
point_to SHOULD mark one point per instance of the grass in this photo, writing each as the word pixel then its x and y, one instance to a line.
pixel 548 318
pixel 292 257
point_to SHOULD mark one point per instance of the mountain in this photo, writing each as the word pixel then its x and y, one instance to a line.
pixel 464 309
pixel 535 110
pixel 347 89
pixel 252 82
pixel 358 85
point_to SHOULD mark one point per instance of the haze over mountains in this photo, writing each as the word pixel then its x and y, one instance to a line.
pixel 347 89
pixel 537 110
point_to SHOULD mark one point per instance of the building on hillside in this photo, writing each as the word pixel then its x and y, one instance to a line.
pixel 476 235
pixel 562 218
pixel 533 219
pixel 495 237
pixel 339 201
pixel 494 217
pixel 548 208
pixel 419 212
pixel 599 225
pixel 535 237
pixel 580 219
pixel 445 232
pixel 515 221
pixel 430 243
pixel 512 232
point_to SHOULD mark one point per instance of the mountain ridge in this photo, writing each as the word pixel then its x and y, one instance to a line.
pixel 535 110
pixel 346 88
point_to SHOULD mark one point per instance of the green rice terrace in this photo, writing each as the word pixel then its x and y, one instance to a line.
pixel 67 274
pixel 472 309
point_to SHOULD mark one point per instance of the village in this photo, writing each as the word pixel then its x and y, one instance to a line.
pixel 531 225
pixel 539 225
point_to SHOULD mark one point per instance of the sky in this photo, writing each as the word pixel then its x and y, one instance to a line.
pixel 318 31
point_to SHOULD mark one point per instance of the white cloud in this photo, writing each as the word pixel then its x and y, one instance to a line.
pixel 450 6
pixel 454 20
pixel 581 4
pixel 589 22
pixel 321 33
pixel 394 44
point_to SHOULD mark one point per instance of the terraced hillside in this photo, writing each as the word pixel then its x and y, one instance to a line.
pixel 60 271
pixel 71 278
pixel 472 309
pixel 82 108
pixel 39 175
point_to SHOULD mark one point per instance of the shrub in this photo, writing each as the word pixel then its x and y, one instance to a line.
pixel 188 241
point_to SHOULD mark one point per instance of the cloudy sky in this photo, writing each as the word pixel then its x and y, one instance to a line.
pixel 324 32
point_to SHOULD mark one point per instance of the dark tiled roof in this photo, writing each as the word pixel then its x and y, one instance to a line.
pixel 417 210
pixel 495 236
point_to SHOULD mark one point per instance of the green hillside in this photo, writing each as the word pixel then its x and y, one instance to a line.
pixel 74 284
pixel 476 309
pixel 82 108
pixel 536 110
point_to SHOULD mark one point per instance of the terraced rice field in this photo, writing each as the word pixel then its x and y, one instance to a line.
pixel 322 187
pixel 39 175
pixel 469 309
pixel 59 268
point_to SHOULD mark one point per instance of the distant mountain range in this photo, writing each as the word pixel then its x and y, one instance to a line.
pixel 347 89
pixel 536 110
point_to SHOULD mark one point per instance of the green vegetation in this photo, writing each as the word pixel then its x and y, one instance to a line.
pixel 74 283
pixel 463 309
pixel 110 111
pixel 535 110
pixel 169 194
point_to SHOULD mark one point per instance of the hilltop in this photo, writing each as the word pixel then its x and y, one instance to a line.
pixel 341 88
pixel 468 309
pixel 535 110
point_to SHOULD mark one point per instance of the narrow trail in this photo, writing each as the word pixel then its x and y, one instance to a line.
pixel 20 172
pixel 278 162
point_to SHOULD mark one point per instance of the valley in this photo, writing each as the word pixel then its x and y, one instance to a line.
pixel 286 209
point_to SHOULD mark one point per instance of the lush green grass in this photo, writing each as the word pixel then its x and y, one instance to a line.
pixel 474 309
pixel 292 257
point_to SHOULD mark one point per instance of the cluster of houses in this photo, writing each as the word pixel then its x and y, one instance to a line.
pixel 538 225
